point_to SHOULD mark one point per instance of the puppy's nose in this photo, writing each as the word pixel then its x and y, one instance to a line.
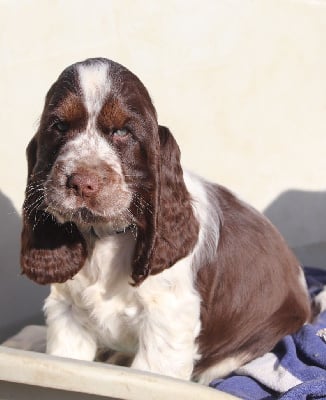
pixel 85 184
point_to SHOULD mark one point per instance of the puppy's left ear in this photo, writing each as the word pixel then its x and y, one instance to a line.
pixel 171 228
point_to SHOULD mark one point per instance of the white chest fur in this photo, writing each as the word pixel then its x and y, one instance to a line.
pixel 99 307
pixel 100 297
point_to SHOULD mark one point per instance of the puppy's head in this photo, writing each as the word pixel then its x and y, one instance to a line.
pixel 99 158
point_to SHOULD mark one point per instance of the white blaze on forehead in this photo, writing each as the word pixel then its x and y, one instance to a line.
pixel 90 146
pixel 95 85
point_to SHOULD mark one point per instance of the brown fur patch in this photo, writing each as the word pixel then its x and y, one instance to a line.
pixel 251 293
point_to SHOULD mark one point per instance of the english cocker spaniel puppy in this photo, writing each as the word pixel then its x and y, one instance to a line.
pixel 143 256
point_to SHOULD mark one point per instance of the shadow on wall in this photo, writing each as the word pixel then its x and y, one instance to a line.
pixel 301 218
pixel 21 300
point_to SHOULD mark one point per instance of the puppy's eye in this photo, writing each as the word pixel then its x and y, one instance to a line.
pixel 61 126
pixel 120 133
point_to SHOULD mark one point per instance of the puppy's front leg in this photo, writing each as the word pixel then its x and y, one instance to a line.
pixel 66 336
pixel 167 336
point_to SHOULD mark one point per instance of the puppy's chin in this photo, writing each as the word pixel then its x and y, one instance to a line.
pixel 85 219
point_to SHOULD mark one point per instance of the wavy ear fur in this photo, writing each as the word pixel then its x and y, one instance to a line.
pixel 50 252
pixel 171 230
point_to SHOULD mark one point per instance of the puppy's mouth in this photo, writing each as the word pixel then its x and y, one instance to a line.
pixel 85 217
pixel 82 215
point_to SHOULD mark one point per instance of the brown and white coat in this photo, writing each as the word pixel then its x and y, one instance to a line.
pixel 144 257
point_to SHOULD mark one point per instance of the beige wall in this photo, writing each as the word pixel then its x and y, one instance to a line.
pixel 241 83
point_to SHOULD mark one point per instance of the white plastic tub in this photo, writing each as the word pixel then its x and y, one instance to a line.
pixel 27 375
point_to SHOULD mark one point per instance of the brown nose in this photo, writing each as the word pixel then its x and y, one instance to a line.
pixel 85 184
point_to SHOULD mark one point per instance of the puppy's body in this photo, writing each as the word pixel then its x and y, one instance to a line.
pixel 164 265
pixel 158 321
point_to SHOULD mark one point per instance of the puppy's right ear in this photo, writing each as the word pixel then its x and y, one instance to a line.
pixel 50 252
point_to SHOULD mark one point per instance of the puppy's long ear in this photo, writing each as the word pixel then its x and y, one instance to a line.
pixel 171 229
pixel 50 252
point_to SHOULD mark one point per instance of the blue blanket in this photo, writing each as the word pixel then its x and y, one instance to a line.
pixel 296 368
